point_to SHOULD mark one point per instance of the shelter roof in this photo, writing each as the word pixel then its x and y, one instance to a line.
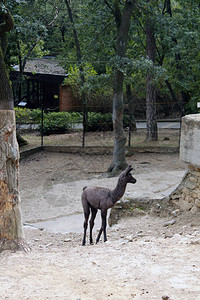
pixel 45 65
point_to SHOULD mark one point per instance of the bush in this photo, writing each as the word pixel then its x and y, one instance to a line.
pixel 27 116
pixel 54 123
pixel 61 122
pixel 103 122
pixel 191 107
pixel 100 122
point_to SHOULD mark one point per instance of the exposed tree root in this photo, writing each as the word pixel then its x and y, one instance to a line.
pixel 14 245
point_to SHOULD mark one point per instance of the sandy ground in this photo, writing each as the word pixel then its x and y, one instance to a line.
pixel 143 258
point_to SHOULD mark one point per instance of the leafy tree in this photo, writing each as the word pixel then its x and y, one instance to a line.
pixel 122 20
pixel 177 40
pixel 168 65
pixel 81 69
pixel 30 30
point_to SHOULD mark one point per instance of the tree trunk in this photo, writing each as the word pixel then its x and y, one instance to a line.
pixel 119 159
pixel 123 25
pixel 130 105
pixel 152 132
pixel 81 70
pixel 6 97
pixel 11 229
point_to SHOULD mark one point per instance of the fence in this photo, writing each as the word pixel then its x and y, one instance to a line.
pixel 97 134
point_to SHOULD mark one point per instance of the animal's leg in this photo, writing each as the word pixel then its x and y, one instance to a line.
pixel 99 234
pixel 103 226
pixel 104 222
pixel 93 216
pixel 85 225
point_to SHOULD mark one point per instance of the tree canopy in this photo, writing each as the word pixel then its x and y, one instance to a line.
pixel 155 54
pixel 44 27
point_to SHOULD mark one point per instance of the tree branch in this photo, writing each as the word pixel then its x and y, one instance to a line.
pixel 37 41
pixel 109 6
pixel 6 21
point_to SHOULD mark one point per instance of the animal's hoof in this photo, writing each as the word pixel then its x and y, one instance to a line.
pixel 107 243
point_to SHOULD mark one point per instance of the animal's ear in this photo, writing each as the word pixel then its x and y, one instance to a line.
pixel 128 169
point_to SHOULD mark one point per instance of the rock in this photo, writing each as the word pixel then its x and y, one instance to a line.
pixel 195 242
pixel 184 205
pixel 176 212
pixel 195 209
pixel 129 238
pixel 169 223
pixel 193 179
pixel 123 242
pixel 67 240
pixel 168 236
pixel 138 212
pixel 197 202
pixel 165 297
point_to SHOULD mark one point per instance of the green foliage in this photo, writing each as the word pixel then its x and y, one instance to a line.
pixel 61 122
pixel 103 122
pixel 27 116
pixel 30 31
pixel 177 42
pixel 191 107
pixel 96 84
pixel 54 123
pixel 99 122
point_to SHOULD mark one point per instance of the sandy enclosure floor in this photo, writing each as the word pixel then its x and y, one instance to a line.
pixel 143 258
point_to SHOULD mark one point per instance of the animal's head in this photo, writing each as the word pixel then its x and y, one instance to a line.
pixel 126 175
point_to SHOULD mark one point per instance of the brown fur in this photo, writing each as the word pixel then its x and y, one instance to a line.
pixel 94 198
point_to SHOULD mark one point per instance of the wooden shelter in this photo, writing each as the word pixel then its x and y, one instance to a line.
pixel 42 86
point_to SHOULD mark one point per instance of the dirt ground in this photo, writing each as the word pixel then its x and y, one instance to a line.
pixel 143 258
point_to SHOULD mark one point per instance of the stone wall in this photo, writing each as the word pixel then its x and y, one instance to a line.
pixel 187 195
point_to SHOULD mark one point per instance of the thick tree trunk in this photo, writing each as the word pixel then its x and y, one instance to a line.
pixel 119 159
pixel 123 25
pixel 6 97
pixel 11 229
pixel 152 132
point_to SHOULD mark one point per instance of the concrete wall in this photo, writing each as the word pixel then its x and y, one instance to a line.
pixel 190 140
pixel 187 194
